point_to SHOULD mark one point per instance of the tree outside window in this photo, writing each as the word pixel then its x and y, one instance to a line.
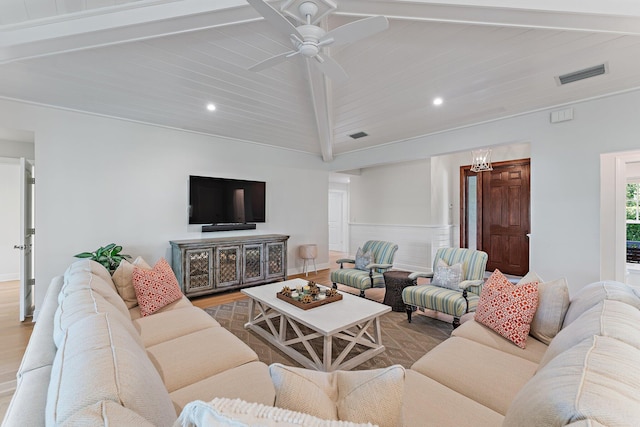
pixel 633 211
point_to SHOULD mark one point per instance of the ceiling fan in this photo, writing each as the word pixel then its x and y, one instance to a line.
pixel 308 39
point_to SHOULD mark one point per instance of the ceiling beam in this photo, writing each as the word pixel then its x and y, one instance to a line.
pixel 125 23
pixel 112 26
pixel 573 17
pixel 320 100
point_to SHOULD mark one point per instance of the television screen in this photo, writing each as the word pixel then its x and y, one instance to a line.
pixel 224 201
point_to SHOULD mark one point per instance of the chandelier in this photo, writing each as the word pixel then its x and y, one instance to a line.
pixel 481 160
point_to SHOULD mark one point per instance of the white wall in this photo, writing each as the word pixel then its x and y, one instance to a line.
pixel 565 177
pixel 392 194
pixel 17 149
pixel 9 219
pixel 101 180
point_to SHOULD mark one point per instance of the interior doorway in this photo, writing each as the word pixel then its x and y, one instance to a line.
pixel 338 221
pixel 495 214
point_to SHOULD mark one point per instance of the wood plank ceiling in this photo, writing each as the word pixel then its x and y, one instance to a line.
pixel 161 62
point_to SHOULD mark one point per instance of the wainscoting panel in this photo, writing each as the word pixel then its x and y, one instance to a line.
pixel 417 244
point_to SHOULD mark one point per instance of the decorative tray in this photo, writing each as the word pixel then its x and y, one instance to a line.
pixel 313 298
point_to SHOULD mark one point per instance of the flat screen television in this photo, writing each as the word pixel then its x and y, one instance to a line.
pixel 225 201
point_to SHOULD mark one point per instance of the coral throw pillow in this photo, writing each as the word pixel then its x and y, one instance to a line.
pixel 506 308
pixel 155 288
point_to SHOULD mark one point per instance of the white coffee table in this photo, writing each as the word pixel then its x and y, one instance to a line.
pixel 353 319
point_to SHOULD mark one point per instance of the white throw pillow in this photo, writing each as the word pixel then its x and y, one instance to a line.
pixel 363 259
pixel 225 412
pixel 342 395
pixel 553 302
pixel 447 276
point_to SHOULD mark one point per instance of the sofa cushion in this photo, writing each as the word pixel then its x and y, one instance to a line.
pixel 221 412
pixel 447 276
pixel 106 413
pixel 508 309
pixel 490 377
pixel 608 318
pixel 474 331
pixel 155 288
pixel 553 302
pixel 83 303
pixel 172 324
pixel 83 280
pixel 427 403
pixel 90 266
pixel 99 360
pixel 596 379
pixel 183 302
pixel 593 293
pixel 342 395
pixel 231 383
pixel 123 279
pixel 190 358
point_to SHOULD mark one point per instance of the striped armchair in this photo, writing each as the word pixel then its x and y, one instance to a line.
pixel 444 300
pixel 383 254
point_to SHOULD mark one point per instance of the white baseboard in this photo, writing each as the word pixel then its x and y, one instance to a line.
pixel 8 277
pixel 300 270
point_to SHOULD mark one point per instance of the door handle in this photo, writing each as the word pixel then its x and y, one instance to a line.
pixel 18 247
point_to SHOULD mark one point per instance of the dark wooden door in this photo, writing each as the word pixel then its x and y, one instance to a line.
pixel 505 217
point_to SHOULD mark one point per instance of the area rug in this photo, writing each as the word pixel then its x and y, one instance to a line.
pixel 405 342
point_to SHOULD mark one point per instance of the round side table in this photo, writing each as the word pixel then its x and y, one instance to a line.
pixel 395 282
pixel 308 252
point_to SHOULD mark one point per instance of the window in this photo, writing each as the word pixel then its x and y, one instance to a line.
pixel 633 211
pixel 633 222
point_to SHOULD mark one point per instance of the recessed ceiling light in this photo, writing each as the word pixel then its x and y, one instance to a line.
pixel 437 101
pixel 211 106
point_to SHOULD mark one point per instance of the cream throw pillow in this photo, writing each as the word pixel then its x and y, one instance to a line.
pixel 553 302
pixel 123 279
pixel 342 395
pixel 238 413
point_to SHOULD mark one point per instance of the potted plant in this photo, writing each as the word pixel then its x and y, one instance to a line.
pixel 109 256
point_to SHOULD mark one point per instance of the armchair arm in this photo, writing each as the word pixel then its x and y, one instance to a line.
pixel 381 266
pixel 345 261
pixel 414 276
pixel 466 284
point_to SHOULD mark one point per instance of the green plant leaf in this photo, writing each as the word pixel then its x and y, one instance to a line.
pixel 84 255
pixel 116 250
pixel 109 246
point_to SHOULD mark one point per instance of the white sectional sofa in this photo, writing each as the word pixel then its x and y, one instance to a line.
pixel 91 361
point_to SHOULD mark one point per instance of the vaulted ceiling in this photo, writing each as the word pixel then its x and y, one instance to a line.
pixel 162 61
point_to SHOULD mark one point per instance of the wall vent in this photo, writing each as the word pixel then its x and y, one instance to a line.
pixel 582 74
pixel 358 135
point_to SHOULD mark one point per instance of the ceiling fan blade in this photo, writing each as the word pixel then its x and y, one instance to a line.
pixel 331 68
pixel 274 60
pixel 274 17
pixel 356 30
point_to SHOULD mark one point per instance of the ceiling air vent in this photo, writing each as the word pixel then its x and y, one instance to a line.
pixel 358 135
pixel 582 74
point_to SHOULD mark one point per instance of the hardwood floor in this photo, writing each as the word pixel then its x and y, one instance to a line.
pixel 14 335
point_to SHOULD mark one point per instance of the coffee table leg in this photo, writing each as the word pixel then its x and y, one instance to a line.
pixel 326 355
